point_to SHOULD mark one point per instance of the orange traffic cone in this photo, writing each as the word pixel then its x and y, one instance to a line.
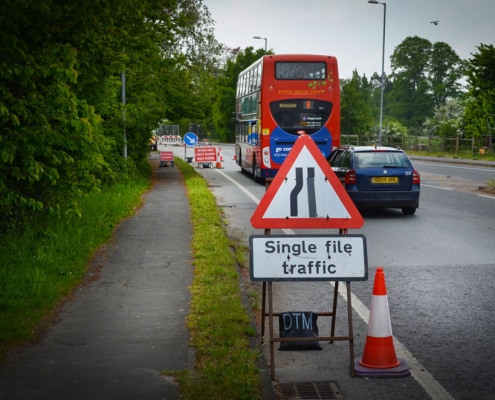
pixel 219 159
pixel 379 359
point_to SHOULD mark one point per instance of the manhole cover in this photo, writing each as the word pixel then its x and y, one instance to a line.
pixel 307 391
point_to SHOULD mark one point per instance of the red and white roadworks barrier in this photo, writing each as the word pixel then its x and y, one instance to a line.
pixel 379 358
pixel 169 139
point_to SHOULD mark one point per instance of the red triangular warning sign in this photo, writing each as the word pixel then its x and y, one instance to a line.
pixel 306 194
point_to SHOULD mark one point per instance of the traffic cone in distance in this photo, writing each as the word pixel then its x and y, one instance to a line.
pixel 219 159
pixel 379 358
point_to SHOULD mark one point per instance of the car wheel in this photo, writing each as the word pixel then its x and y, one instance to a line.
pixel 408 210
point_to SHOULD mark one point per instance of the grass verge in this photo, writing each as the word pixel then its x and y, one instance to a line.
pixel 226 365
pixel 42 265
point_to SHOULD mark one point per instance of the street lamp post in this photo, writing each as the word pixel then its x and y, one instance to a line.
pixel 380 138
pixel 264 38
pixel 123 115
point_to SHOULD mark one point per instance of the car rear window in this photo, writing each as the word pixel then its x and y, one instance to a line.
pixel 381 159
pixel 342 160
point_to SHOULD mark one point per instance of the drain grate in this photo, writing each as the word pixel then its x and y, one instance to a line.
pixel 308 391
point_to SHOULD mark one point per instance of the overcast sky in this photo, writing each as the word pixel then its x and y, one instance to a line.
pixel 352 30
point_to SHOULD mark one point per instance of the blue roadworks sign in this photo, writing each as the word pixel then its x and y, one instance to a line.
pixel 190 139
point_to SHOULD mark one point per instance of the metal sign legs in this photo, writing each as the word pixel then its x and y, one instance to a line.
pixel 268 289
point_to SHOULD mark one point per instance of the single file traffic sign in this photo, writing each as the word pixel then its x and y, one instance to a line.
pixel 308 258
pixel 306 194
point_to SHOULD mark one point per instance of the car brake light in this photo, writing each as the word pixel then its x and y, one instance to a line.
pixel 416 180
pixel 350 177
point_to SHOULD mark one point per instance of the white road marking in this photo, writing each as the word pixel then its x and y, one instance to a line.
pixel 444 188
pixel 456 166
pixel 436 187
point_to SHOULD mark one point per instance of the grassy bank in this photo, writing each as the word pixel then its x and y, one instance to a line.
pixel 462 155
pixel 226 366
pixel 42 265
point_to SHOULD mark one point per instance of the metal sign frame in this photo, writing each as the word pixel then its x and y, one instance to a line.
pixel 333 314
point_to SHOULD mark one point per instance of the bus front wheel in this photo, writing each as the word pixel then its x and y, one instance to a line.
pixel 239 162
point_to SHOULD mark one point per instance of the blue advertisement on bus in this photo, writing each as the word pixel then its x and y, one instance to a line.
pixel 282 142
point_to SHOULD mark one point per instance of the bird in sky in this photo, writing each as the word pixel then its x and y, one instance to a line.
pixel 434 22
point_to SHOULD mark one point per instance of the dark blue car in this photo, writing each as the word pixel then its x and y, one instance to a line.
pixel 380 177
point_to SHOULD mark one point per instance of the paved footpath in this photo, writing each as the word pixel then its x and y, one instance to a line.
pixel 127 324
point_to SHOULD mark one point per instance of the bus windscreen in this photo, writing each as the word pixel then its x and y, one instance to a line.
pixel 297 115
pixel 300 70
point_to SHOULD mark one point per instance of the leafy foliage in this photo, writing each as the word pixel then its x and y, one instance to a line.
pixel 423 91
pixel 356 108
pixel 51 140
pixel 226 84
pixel 64 120
pixel 480 107
pixel 411 98
pixel 445 72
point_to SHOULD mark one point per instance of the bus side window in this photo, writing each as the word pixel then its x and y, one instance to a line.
pixel 258 82
pixel 253 134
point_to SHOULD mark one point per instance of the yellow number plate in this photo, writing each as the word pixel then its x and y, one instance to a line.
pixel 384 179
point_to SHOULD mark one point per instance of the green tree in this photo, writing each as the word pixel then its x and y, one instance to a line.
pixel 225 91
pixel 445 72
pixel 194 53
pixel 375 99
pixel 61 104
pixel 51 142
pixel 375 92
pixel 411 100
pixel 355 103
pixel 480 107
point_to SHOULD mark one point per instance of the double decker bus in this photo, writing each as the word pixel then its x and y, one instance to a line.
pixel 280 97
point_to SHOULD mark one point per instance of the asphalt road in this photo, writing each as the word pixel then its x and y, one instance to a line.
pixel 439 267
